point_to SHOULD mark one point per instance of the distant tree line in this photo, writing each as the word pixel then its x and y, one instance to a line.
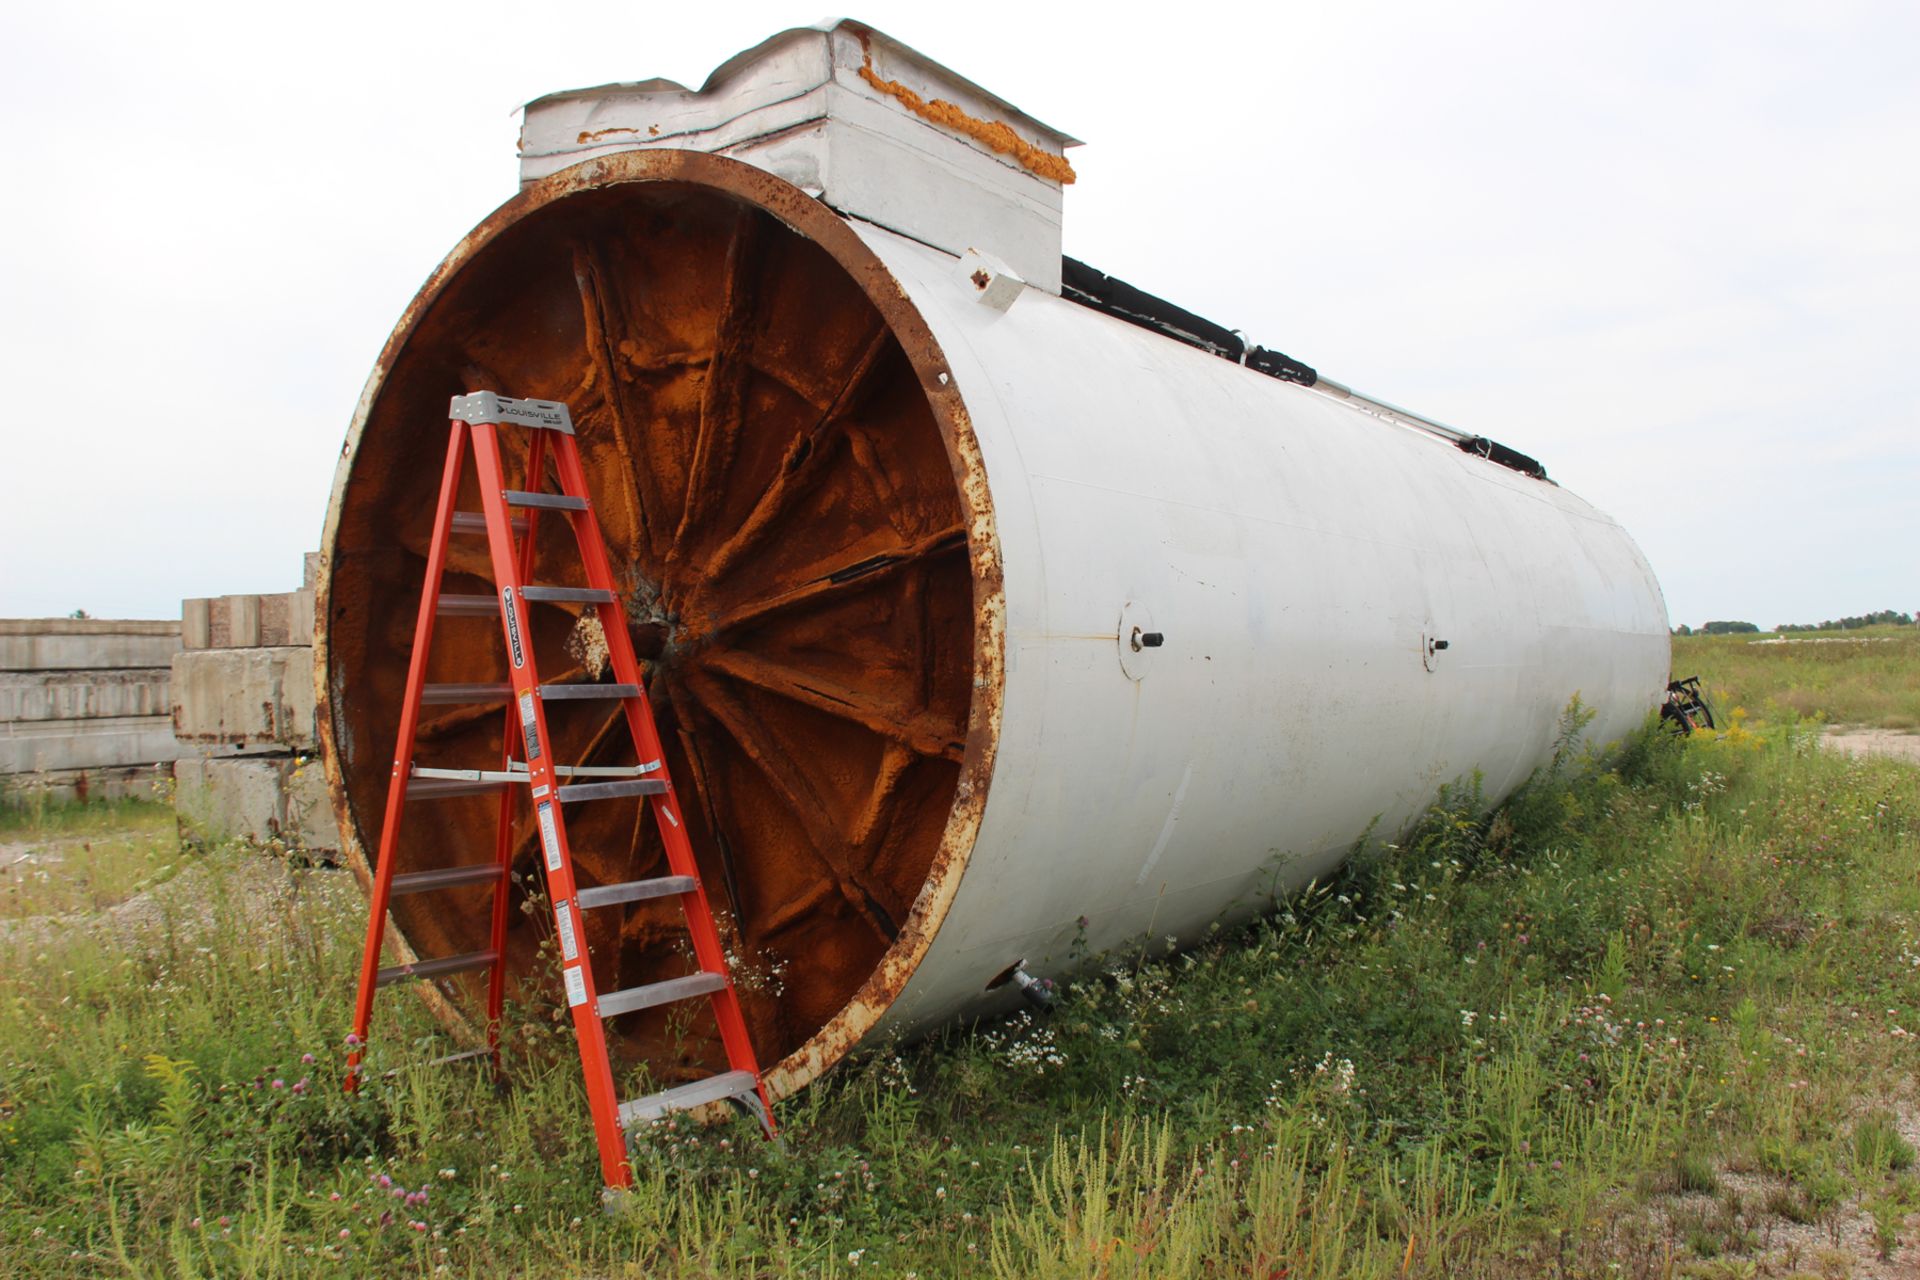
pixel 1886 617
pixel 1717 629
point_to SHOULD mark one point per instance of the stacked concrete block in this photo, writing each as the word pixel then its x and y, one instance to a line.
pixel 261 799
pixel 243 705
pixel 245 698
pixel 84 705
pixel 245 622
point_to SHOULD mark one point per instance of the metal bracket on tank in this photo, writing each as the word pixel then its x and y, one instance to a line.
pixel 1138 639
pixel 992 282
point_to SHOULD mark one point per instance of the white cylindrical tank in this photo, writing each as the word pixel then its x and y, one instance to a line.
pixel 1355 613
pixel 983 624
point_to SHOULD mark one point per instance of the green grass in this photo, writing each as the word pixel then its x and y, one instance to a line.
pixel 1867 677
pixel 28 814
pixel 1879 1147
pixel 84 857
pixel 1499 1050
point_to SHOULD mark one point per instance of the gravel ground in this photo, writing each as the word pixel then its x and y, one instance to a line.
pixel 1891 743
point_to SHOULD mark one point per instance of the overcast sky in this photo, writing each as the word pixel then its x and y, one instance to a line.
pixel 1673 251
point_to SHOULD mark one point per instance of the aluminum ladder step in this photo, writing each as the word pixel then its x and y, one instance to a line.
pixel 445 878
pixel 444 694
pixel 468 694
pixel 566 595
pixel 608 895
pixel 428 783
pixel 475 522
pixel 545 501
pixel 516 411
pixel 470 606
pixel 583 692
pixel 437 968
pixel 424 786
pixel 728 1084
pixel 610 790
pixel 615 1003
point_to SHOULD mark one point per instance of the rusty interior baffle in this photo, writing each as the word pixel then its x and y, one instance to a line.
pixel 778 483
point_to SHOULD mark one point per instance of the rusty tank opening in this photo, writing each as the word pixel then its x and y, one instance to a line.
pixel 781 475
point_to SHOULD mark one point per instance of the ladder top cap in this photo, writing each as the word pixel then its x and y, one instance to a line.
pixel 489 407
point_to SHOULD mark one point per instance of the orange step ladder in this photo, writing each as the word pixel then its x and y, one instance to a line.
pixel 551 787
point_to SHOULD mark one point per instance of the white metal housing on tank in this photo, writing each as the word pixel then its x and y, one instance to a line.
pixel 1351 611
pixel 850 115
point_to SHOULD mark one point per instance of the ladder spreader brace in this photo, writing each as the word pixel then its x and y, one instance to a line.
pixel 475 420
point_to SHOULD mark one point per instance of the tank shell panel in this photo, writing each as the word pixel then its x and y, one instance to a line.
pixel 1301 558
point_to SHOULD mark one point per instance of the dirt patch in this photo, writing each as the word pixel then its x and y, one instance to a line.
pixel 35 853
pixel 63 874
pixel 1750 1235
pixel 183 904
pixel 1891 744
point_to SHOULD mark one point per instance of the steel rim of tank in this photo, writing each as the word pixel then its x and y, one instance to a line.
pixel 971 550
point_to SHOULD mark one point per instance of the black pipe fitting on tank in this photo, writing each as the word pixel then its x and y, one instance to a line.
pixel 1038 991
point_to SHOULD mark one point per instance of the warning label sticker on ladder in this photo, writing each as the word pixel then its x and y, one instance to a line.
pixel 529 725
pixel 563 916
pixel 549 838
pixel 576 986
